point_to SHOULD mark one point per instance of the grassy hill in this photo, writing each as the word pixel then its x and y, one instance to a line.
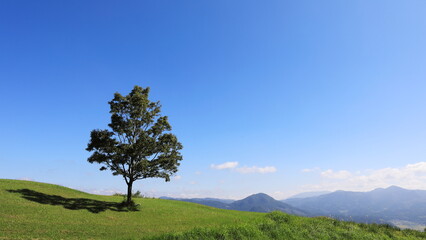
pixel 30 210
pixel 38 210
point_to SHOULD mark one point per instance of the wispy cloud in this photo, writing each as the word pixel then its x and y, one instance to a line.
pixel 26 179
pixel 98 191
pixel 105 191
pixel 245 169
pixel 177 177
pixel 411 176
pixel 254 169
pixel 226 165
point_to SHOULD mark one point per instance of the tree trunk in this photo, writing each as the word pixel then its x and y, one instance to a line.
pixel 129 193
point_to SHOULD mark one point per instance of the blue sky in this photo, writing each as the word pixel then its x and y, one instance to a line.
pixel 278 97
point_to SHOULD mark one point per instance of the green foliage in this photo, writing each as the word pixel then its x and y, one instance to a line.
pixel 139 144
pixel 132 206
pixel 137 194
pixel 278 217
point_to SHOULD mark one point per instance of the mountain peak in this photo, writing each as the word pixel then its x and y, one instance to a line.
pixel 264 195
pixel 262 202
pixel 259 197
pixel 393 187
pixel 390 188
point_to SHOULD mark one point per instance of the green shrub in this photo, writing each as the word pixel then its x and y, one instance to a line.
pixel 278 217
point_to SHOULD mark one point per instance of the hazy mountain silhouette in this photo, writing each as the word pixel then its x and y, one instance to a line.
pixel 255 203
pixel 264 203
pixel 390 205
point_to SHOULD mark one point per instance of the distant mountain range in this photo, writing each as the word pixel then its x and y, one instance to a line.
pixel 255 203
pixel 393 205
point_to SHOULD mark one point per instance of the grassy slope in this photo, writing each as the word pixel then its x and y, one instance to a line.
pixel 47 216
pixel 277 225
pixel 46 211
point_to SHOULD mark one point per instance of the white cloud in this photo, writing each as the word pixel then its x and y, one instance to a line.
pixel 226 165
pixel 254 169
pixel 198 173
pixel 411 176
pixel 105 191
pixel 98 191
pixel 419 167
pixel 26 179
pixel 185 195
pixel 177 177
pixel 343 174
pixel 245 169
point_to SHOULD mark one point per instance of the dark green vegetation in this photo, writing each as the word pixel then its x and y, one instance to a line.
pixel 139 144
pixel 31 210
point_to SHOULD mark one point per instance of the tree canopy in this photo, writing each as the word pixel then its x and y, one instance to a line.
pixel 139 143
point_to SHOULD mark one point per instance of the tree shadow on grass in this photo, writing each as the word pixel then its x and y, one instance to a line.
pixel 93 206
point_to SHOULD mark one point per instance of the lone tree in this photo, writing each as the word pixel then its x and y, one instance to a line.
pixel 139 144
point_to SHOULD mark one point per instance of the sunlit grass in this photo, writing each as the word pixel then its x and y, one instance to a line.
pixel 55 218
pixel 277 225
pixel 30 210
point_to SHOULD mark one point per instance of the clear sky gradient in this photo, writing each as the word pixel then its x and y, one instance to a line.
pixel 278 97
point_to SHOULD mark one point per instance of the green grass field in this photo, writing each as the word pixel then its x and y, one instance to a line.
pixel 30 210
pixel 38 210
